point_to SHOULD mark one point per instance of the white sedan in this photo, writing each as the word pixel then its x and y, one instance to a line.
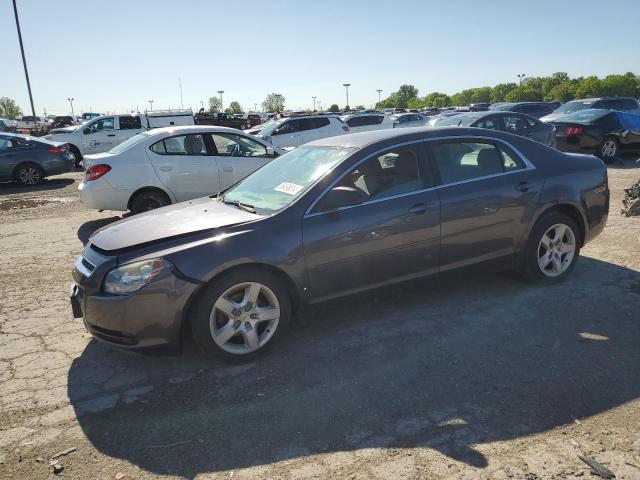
pixel 169 165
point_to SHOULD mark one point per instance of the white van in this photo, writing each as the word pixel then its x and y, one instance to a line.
pixel 103 133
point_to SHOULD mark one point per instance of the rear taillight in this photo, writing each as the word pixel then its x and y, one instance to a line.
pixel 96 171
pixel 573 131
pixel 56 150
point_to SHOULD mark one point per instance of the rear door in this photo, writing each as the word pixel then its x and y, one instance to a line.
pixel 487 195
pixel 185 166
pixel 128 126
pixel 236 156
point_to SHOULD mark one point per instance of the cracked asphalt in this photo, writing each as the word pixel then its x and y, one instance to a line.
pixel 469 376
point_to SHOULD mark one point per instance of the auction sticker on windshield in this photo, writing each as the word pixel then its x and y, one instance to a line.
pixel 289 188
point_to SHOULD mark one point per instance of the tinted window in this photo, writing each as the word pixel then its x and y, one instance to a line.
pixel 515 124
pixel 318 122
pixel 628 104
pixel 230 144
pixel 488 122
pixel 461 161
pixel 192 144
pixel 130 122
pixel 392 173
pixel 291 126
pixel 357 121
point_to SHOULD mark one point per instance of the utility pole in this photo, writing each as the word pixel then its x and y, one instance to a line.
pixel 379 92
pixel 71 103
pixel 520 77
pixel 201 103
pixel 346 86
pixel 150 105
pixel 220 92
pixel 180 84
pixel 24 60
pixel 314 104
pixel 255 107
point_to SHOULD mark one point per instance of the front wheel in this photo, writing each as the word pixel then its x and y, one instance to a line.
pixel 552 249
pixel 241 314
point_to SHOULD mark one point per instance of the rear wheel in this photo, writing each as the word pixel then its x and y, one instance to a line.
pixel 29 174
pixel 241 314
pixel 609 149
pixel 148 200
pixel 75 155
pixel 552 249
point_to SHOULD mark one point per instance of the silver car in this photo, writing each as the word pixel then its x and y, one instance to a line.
pixel 408 120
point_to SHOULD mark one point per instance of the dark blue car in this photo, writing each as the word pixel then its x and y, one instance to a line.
pixel 28 160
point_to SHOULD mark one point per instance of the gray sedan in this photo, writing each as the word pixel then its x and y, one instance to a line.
pixel 28 160
pixel 333 217
pixel 516 123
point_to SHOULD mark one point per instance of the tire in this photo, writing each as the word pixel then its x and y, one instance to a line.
pixel 28 174
pixel 247 337
pixel 608 149
pixel 560 261
pixel 77 156
pixel 148 200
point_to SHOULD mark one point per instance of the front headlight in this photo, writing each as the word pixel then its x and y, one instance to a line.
pixel 133 276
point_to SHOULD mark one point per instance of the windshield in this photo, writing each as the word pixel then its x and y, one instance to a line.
pixel 584 116
pixel 283 180
pixel 129 143
pixel 574 106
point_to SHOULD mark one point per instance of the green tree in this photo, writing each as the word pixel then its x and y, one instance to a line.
pixel 524 93
pixel 627 85
pixel 500 91
pixel 589 87
pixel 563 92
pixel 215 105
pixel 9 108
pixel 360 107
pixel 441 101
pixel 235 108
pixel 273 103
pixel 334 108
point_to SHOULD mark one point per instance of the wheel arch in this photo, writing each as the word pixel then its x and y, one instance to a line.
pixel 148 189
pixel 571 211
pixel 75 147
pixel 288 282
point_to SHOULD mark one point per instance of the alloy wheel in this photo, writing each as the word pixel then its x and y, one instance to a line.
pixel 244 318
pixel 609 148
pixel 29 175
pixel 556 250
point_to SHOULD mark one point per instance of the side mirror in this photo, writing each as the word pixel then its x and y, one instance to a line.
pixel 271 152
pixel 339 197
pixel 86 131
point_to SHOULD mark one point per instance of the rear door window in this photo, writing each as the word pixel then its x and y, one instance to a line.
pixel 130 122
pixel 488 122
pixel 515 124
pixel 192 144
pixel 318 122
pixel 463 161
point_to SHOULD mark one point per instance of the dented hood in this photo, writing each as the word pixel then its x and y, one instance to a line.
pixel 168 222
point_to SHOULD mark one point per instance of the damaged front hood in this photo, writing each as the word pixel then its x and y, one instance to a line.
pixel 168 222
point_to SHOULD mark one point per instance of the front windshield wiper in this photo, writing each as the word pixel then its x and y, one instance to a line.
pixel 237 203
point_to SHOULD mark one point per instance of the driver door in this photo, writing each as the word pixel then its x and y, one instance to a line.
pixel 100 137
pixel 288 134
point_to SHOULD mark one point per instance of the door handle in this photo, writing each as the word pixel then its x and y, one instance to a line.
pixel 166 169
pixel 522 186
pixel 111 135
pixel 228 169
pixel 418 208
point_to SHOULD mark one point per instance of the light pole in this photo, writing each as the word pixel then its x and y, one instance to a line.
pixel 379 92
pixel 255 107
pixel 220 92
pixel 314 104
pixel 24 60
pixel 201 103
pixel 346 86
pixel 150 105
pixel 71 103
pixel 520 78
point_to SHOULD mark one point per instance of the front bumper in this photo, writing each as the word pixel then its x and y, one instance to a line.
pixel 147 320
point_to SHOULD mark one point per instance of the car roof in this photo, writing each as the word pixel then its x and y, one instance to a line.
pixel 184 129
pixel 360 140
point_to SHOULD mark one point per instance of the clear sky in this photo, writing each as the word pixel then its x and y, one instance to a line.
pixel 115 55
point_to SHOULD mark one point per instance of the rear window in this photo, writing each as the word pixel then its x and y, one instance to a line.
pixel 319 122
pixel 365 120
pixel 573 106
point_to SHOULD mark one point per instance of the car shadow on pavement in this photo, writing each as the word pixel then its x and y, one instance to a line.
pixel 445 364
pixel 9 188
pixel 88 228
